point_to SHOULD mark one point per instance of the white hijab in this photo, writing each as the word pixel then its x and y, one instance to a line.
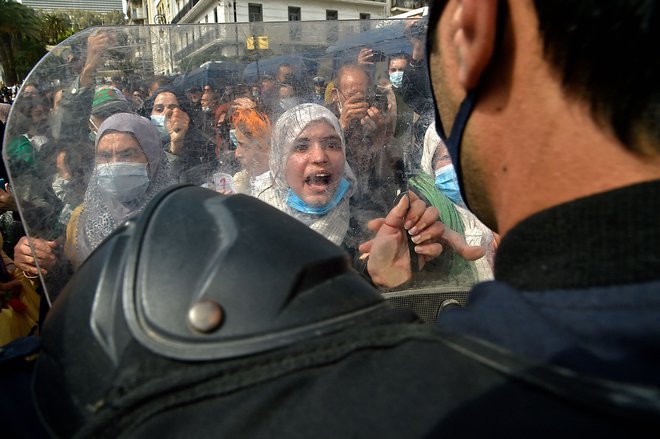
pixel 290 124
pixel 431 143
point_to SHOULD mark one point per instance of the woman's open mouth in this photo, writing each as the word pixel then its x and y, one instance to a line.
pixel 319 181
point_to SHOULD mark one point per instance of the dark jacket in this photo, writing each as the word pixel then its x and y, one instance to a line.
pixel 561 345
pixel 577 286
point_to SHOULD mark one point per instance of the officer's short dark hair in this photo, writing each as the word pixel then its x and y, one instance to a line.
pixel 606 54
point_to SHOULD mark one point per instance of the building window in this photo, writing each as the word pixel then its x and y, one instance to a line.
pixel 365 25
pixel 294 14
pixel 294 29
pixel 255 12
pixel 215 14
pixel 333 29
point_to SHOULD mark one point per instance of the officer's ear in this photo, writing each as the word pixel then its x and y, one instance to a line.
pixel 475 28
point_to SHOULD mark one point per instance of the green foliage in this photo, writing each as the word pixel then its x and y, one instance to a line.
pixel 81 19
pixel 29 54
pixel 20 40
pixel 24 33
pixel 59 25
pixel 56 27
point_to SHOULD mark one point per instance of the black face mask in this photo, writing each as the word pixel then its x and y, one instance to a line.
pixel 455 138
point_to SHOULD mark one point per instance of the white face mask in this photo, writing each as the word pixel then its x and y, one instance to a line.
pixel 60 186
pixel 123 181
pixel 158 121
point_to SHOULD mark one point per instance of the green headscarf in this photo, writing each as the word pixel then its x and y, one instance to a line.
pixel 424 186
pixel 20 151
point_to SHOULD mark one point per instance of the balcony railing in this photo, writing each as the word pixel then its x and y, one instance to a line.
pixel 409 4
pixel 186 8
pixel 138 14
pixel 210 34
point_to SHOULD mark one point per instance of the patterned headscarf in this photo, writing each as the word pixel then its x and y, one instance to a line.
pixel 290 124
pixel 101 213
pixel 109 100
pixel 4 112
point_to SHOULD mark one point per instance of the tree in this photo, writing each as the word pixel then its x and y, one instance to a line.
pixel 59 25
pixel 56 27
pixel 81 19
pixel 20 35
pixel 24 33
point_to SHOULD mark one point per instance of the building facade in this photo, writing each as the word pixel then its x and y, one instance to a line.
pixel 89 5
pixel 172 44
pixel 181 44
pixel 140 12
pixel 242 11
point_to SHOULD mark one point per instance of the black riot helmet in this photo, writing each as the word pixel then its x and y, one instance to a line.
pixel 187 289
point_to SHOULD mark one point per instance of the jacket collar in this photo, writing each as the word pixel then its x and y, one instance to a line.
pixel 610 238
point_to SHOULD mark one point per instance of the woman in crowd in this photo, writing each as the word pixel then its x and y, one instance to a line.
pixel 129 170
pixel 311 179
pixel 313 183
pixel 252 134
pixel 438 186
pixel 190 153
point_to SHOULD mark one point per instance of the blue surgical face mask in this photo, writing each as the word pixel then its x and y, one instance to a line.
pixel 123 181
pixel 396 79
pixel 158 121
pixel 447 182
pixel 297 203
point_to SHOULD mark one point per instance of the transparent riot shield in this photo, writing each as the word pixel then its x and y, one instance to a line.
pixel 330 122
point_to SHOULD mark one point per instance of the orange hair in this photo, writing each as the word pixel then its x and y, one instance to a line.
pixel 252 123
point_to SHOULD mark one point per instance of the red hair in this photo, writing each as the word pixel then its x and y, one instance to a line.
pixel 252 123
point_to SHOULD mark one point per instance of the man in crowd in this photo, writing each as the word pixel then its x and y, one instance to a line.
pixel 396 66
pixel 205 120
pixel 208 101
pixel 159 82
pixel 404 130
pixel 267 84
pixel 376 161
pixel 194 97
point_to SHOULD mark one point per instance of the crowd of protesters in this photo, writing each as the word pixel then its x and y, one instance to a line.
pixel 335 153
